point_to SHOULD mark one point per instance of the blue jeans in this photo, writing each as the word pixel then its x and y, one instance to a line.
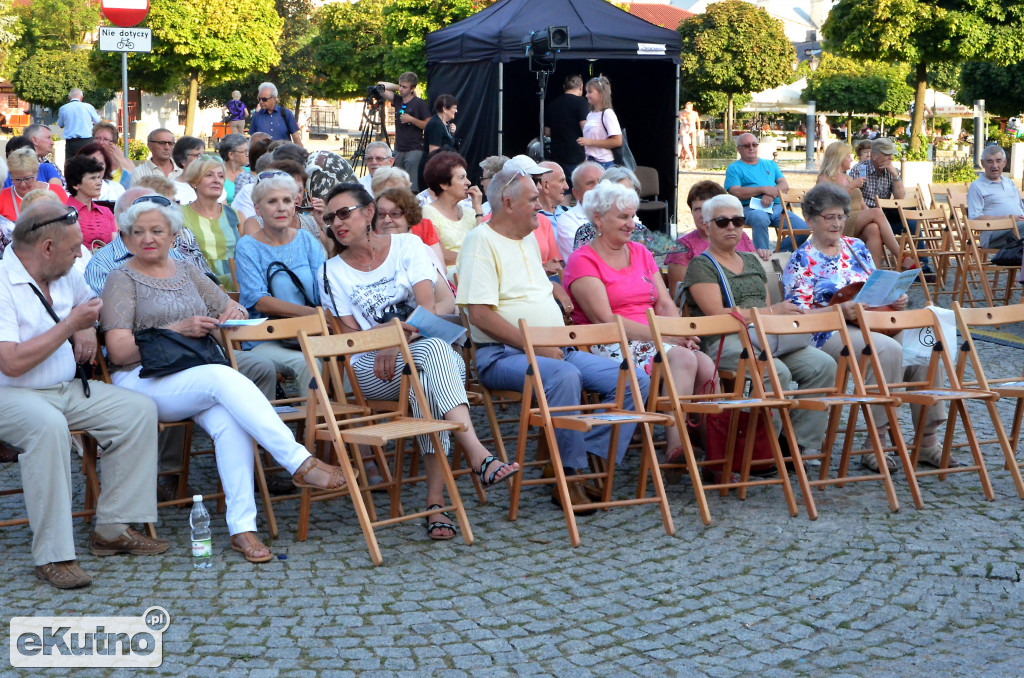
pixel 759 221
pixel 504 368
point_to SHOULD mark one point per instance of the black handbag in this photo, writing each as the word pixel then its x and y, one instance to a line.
pixel 164 352
pixel 1010 254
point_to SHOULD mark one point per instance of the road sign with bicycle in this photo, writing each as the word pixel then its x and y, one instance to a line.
pixel 114 39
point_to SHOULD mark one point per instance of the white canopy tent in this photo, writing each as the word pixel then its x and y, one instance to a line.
pixel 784 99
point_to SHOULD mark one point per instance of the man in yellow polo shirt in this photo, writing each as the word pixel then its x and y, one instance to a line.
pixel 501 280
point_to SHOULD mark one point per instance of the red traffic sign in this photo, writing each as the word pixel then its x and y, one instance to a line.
pixel 125 13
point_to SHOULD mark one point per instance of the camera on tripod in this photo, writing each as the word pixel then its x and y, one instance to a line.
pixel 375 94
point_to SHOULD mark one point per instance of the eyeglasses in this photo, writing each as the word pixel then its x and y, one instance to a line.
pixel 748 145
pixel 156 199
pixel 519 173
pixel 376 158
pixel 24 180
pixel 833 218
pixel 269 174
pixel 394 214
pixel 71 217
pixel 343 213
pixel 262 99
pixel 723 222
pixel 211 156
pixel 162 143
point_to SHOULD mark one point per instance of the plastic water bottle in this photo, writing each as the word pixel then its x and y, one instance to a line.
pixel 202 540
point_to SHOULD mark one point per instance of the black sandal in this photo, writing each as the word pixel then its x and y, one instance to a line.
pixel 491 479
pixel 434 528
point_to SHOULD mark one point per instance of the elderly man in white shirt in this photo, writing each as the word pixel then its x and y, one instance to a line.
pixel 47 329
pixel 586 175
pixel 378 154
pixel 995 195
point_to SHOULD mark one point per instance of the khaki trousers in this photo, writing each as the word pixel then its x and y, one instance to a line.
pixel 123 423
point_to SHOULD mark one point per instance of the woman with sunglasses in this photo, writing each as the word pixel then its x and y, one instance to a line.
pixel 24 166
pixel 306 219
pixel 380 276
pixel 153 290
pixel 396 209
pixel 214 224
pixel 276 268
pixel 748 288
pixel 614 276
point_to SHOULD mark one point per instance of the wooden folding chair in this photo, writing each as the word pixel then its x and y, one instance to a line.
pixel 925 393
pixel 583 418
pixel 935 239
pixel 734 399
pixel 977 260
pixel 832 399
pixel 1006 387
pixel 290 410
pixel 378 429
pixel 791 200
pixel 89 470
pixel 907 240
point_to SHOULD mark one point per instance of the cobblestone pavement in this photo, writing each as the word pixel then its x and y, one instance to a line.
pixel 861 591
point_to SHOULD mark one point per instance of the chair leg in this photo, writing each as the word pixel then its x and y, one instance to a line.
pixel 261 484
pixel 453 490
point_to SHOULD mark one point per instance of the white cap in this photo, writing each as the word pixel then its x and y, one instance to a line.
pixel 526 164
pixel 197 498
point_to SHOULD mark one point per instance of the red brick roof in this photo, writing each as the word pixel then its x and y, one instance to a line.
pixel 665 16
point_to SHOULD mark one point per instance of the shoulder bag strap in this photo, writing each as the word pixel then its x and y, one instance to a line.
pixel 275 267
pixel 722 281
pixel 57 320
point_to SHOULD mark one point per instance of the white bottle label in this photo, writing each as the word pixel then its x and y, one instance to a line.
pixel 202 548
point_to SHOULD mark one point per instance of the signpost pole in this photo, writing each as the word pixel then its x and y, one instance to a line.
pixel 124 101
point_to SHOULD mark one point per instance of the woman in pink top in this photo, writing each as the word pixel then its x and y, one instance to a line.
pixel 614 276
pixel 84 175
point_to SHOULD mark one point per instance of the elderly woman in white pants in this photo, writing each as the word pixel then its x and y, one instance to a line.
pixel 152 290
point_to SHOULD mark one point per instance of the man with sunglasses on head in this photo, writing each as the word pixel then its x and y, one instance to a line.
pixel 759 183
pixel 160 162
pixel 47 332
pixel 277 121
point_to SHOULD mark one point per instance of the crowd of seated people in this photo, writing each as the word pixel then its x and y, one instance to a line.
pixel 303 234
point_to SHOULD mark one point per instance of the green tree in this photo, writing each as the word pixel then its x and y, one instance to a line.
pixel 850 86
pixel 295 75
pixel 200 42
pixel 360 43
pixel 56 24
pixel 1002 87
pixel 46 77
pixel 926 33
pixel 11 30
pixel 734 47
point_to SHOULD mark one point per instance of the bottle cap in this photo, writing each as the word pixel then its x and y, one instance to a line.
pixel 197 498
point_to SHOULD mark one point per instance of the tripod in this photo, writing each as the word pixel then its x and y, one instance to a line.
pixel 371 128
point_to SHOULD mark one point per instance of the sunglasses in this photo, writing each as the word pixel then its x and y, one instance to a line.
pixel 162 143
pixel 156 199
pixel 748 145
pixel 270 174
pixel 343 213
pixel 723 222
pixel 519 173
pixel 71 217
pixel 266 98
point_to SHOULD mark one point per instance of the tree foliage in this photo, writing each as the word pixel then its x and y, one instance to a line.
pixel 359 43
pixel 734 47
pixel 851 86
pixel 46 77
pixel 924 33
pixel 200 42
pixel 1002 87
pixel 56 24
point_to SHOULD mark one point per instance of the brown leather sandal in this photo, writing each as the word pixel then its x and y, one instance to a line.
pixel 250 547
pixel 335 482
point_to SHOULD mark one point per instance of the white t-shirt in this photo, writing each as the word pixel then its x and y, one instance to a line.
pixel 371 297
pixel 601 125
pixel 566 225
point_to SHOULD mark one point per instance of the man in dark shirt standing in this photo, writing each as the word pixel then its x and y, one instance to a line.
pixel 564 119
pixel 411 116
